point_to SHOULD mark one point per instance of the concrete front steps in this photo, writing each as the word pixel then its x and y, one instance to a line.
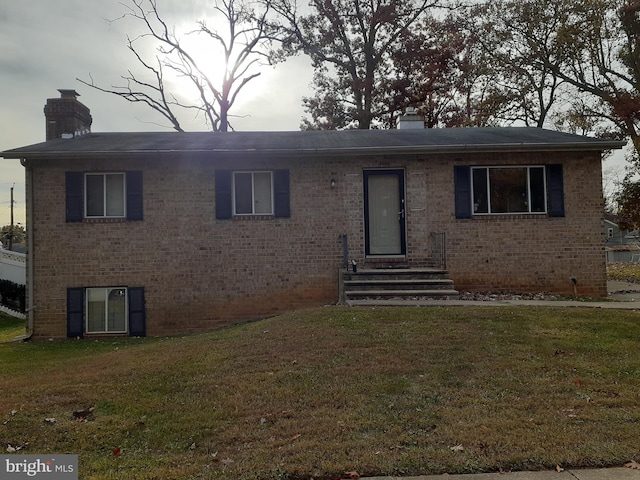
pixel 395 286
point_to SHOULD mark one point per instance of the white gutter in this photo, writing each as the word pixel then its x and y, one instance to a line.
pixel 31 306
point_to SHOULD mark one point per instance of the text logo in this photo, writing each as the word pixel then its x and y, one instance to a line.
pixel 50 467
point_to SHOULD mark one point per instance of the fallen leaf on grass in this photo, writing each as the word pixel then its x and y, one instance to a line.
pixel 116 451
pixel 83 412
pixel 457 448
pixel 633 464
pixel 559 469
pixel 12 449
pixel 352 475
pixel 562 352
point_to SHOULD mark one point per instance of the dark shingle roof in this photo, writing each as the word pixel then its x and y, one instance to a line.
pixel 452 140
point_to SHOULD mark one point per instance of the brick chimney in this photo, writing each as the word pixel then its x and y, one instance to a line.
pixel 411 120
pixel 66 117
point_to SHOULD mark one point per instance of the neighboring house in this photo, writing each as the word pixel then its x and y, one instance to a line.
pixel 620 245
pixel 171 233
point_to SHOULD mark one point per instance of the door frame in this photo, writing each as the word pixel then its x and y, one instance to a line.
pixel 400 173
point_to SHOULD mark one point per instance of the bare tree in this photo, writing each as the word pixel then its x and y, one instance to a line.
pixel 243 37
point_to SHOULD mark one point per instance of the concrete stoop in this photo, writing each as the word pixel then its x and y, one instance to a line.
pixel 395 286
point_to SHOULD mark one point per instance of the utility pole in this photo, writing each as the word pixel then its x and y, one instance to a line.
pixel 11 225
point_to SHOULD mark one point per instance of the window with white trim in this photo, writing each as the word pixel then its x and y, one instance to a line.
pixel 253 193
pixel 105 195
pixel 508 189
pixel 106 310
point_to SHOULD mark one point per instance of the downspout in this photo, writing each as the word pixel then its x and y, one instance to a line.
pixel 30 269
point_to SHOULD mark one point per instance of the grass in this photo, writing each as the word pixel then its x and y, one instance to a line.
pixel 10 327
pixel 325 391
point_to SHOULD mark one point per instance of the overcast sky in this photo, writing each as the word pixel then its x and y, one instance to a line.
pixel 47 44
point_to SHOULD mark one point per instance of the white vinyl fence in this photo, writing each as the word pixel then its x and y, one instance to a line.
pixel 13 266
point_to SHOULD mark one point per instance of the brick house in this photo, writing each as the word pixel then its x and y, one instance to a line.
pixel 171 233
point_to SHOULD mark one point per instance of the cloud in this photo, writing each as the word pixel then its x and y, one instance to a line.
pixel 47 45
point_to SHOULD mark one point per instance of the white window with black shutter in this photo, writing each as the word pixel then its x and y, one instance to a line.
pixel 106 311
pixel 103 195
pixel 499 190
pixel 252 193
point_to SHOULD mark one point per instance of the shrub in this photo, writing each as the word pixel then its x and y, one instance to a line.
pixel 12 295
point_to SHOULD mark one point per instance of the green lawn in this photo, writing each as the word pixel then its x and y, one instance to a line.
pixel 10 327
pixel 400 391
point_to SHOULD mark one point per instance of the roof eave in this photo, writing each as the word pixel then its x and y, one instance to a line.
pixel 349 151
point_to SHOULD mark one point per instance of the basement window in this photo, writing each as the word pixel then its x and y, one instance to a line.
pixel 106 310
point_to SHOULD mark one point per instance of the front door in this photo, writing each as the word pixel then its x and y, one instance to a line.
pixel 384 212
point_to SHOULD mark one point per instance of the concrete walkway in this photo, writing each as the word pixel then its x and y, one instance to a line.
pixel 623 291
pixel 578 474
pixel 622 296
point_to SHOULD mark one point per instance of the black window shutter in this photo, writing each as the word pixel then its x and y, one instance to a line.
pixel 75 312
pixel 555 194
pixel 223 194
pixel 134 195
pixel 462 185
pixel 281 194
pixel 137 313
pixel 74 184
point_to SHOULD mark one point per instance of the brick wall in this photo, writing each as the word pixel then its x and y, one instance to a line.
pixel 528 253
pixel 200 273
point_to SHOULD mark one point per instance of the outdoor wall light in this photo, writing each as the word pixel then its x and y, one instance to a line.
pixel 332 183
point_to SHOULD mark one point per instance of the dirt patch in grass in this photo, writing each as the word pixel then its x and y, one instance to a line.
pixel 382 391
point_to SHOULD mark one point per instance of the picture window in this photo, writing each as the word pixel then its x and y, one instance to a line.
pixel 498 190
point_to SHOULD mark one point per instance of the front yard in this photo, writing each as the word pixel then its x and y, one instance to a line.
pixel 318 393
